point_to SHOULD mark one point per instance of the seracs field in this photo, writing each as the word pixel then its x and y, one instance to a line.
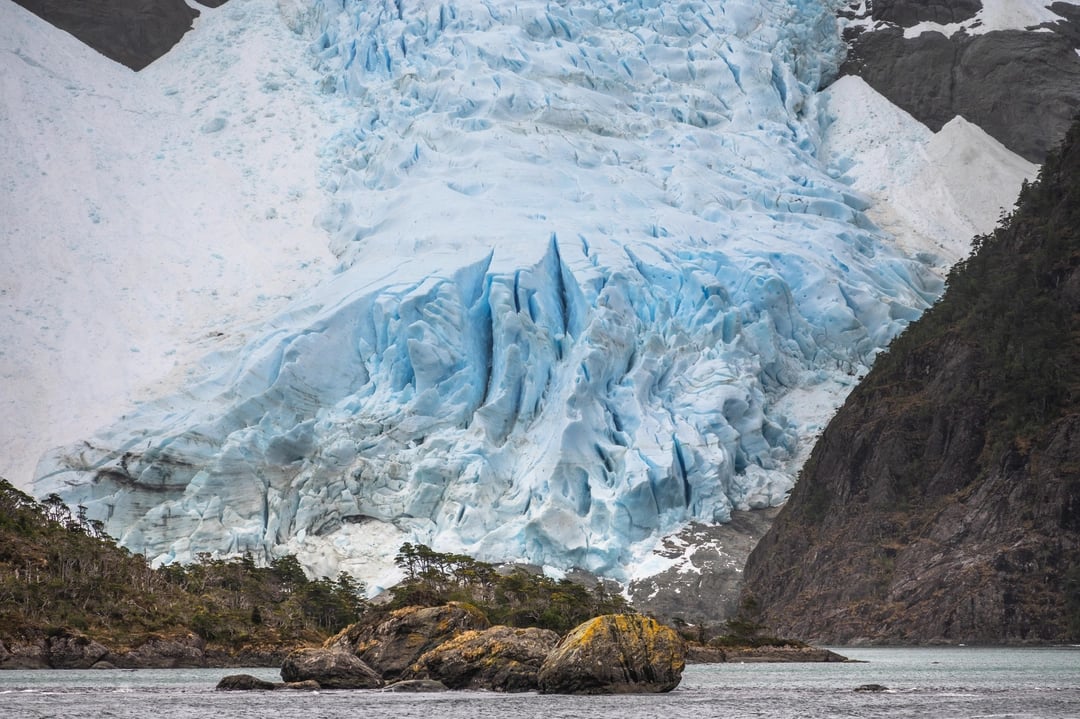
pixel 596 278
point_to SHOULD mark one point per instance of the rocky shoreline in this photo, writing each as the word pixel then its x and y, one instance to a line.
pixel 457 659
pixel 70 649
pixel 702 654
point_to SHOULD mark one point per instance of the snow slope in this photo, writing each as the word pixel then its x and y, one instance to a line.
pixel 932 192
pixel 600 270
pixel 146 219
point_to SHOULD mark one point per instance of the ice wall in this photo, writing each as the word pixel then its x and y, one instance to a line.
pixel 587 252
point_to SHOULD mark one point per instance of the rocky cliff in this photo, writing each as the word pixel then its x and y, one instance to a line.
pixel 938 60
pixel 942 503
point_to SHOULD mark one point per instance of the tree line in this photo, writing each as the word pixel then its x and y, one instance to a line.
pixel 511 595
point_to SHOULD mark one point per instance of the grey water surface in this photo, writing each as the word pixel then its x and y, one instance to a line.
pixel 950 683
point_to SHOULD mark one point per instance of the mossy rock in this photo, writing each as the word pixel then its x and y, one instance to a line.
pixel 615 654
pixel 501 659
pixel 331 668
pixel 397 641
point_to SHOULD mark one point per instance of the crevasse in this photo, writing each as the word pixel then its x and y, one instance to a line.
pixel 586 253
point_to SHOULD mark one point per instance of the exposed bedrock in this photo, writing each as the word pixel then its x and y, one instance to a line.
pixel 908 13
pixel 1021 87
pixel 131 32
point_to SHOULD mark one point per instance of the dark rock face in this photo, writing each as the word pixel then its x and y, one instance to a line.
pixel 1022 88
pixel 163 653
pixel 23 655
pixel 500 659
pixel 131 32
pixel 909 13
pixel 244 682
pixel 706 588
pixel 1069 27
pixel 615 654
pixel 392 645
pixel 331 668
pixel 70 650
pixel 942 503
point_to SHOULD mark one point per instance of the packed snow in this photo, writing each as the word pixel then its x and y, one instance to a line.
pixel 597 271
pixel 900 164
pixel 148 218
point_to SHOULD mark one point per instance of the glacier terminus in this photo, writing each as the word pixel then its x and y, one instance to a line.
pixel 594 274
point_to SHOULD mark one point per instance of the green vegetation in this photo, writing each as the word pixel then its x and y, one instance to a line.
pixel 514 596
pixel 61 571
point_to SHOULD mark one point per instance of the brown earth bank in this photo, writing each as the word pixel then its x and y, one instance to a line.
pixel 942 503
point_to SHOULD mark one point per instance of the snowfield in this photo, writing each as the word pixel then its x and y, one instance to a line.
pixel 526 280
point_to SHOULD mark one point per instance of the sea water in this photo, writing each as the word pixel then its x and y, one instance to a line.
pixel 950 683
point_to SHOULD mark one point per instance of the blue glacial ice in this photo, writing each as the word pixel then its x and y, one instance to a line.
pixel 587 251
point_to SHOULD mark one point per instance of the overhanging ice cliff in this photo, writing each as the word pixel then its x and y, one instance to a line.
pixel 591 269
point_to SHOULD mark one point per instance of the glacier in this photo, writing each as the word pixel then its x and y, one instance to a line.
pixel 587 253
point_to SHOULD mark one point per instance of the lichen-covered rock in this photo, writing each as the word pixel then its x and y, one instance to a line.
pixel 244 682
pixel 392 645
pixel 782 654
pixel 615 654
pixel 501 659
pixel 331 668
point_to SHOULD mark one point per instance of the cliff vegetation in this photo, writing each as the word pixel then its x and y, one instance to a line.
pixel 60 574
